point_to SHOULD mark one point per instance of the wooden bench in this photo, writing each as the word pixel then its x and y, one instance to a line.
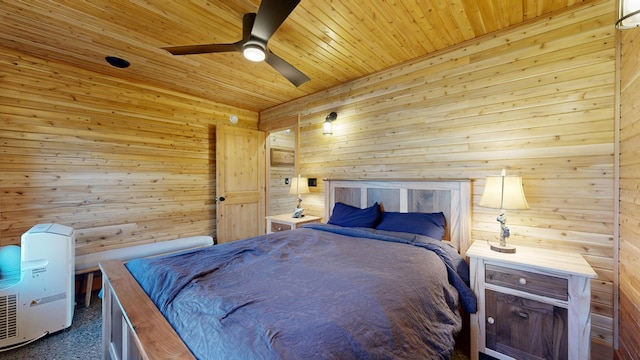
pixel 88 264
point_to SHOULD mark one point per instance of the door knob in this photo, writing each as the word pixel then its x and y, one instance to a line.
pixel 221 198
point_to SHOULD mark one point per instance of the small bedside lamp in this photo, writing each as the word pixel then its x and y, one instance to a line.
pixel 299 186
pixel 505 193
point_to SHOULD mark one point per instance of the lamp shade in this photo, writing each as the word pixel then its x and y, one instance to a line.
pixel 628 14
pixel 327 128
pixel 504 192
pixel 299 185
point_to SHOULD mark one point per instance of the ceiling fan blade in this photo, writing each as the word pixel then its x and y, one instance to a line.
pixel 295 76
pixel 247 25
pixel 202 49
pixel 271 14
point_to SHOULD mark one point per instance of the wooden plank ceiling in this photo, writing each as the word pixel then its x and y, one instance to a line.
pixel 330 41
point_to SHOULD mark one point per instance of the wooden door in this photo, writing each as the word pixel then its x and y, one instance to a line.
pixel 240 183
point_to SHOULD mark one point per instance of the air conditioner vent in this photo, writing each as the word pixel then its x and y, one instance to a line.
pixel 8 316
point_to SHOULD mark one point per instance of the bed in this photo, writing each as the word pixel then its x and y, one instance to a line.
pixel 336 290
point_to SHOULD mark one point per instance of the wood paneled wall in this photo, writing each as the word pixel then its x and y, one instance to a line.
pixel 629 255
pixel 280 201
pixel 537 99
pixel 123 163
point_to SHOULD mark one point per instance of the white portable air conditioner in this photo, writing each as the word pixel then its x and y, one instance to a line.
pixel 37 293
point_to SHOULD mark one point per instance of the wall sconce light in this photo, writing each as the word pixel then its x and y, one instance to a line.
pixel 505 193
pixel 327 128
pixel 628 14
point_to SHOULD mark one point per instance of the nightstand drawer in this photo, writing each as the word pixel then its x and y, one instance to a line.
pixel 283 222
pixel 533 283
pixel 276 226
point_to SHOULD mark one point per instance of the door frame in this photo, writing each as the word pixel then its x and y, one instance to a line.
pixel 290 122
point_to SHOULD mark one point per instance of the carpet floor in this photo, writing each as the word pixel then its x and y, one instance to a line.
pixel 80 341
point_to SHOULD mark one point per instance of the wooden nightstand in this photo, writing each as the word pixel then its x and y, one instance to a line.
pixel 284 222
pixel 534 304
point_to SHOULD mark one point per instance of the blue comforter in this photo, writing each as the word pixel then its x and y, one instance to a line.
pixel 321 292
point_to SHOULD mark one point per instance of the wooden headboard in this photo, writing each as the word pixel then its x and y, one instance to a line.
pixel 452 197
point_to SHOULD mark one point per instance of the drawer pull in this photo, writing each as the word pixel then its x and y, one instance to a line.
pixel 491 320
pixel 522 314
pixel 522 281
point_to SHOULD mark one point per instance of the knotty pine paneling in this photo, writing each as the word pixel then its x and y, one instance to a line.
pixel 121 162
pixel 537 99
pixel 330 41
pixel 629 256
pixel 280 201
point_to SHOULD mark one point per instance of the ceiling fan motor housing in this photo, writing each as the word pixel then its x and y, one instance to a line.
pixel 254 50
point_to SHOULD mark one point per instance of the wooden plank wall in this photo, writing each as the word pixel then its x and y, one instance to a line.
pixel 122 163
pixel 537 99
pixel 629 255
pixel 280 202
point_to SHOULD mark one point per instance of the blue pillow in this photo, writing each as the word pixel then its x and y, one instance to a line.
pixel 428 224
pixel 351 216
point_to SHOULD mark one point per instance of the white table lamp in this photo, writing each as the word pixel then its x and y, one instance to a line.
pixel 299 185
pixel 505 193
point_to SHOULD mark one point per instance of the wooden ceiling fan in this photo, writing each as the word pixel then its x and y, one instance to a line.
pixel 257 29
